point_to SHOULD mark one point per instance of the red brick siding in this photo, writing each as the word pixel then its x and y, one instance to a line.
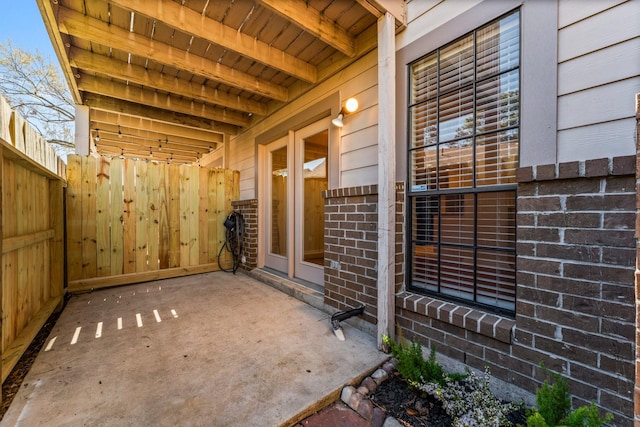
pixel 351 249
pixel 249 211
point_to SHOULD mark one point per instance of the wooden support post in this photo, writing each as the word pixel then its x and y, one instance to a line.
pixel 386 176
pixel 82 134
pixel 1 263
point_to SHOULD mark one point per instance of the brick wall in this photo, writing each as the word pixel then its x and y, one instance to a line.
pixel 350 249
pixel 576 255
pixel 637 275
pixel 249 211
pixel 575 309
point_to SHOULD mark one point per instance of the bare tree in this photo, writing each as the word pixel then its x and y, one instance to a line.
pixel 34 87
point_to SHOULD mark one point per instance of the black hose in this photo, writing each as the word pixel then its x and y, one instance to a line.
pixel 234 240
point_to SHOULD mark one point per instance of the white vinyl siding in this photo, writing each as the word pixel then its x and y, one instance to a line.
pixel 598 77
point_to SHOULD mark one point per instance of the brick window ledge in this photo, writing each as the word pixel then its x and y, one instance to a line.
pixel 471 319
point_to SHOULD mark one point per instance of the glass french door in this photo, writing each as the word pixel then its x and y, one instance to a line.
pixel 297 174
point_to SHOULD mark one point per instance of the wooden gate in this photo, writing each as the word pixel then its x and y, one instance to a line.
pixel 130 221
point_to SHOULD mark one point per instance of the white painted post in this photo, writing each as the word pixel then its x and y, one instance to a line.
pixel 386 176
pixel 82 137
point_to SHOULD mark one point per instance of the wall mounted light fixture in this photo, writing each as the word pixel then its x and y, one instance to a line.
pixel 349 107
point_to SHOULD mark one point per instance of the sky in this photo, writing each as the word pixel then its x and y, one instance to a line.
pixel 21 22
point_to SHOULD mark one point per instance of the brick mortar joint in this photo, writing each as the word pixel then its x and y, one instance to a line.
pixel 615 166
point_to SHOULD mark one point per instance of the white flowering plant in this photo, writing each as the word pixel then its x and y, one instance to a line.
pixel 471 402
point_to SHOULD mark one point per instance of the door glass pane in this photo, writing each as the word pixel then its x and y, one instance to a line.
pixel 315 181
pixel 279 178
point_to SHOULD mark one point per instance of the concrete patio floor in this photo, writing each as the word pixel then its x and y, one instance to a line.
pixel 209 350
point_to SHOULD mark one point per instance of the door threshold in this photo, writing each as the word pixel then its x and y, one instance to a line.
pixel 308 292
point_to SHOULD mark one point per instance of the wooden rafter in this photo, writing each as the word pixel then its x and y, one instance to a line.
pixel 97 31
pixel 161 138
pixel 106 103
pixel 314 22
pixel 168 129
pixel 191 22
pixel 164 101
pixel 120 70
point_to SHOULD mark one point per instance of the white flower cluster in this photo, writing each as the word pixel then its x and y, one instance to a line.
pixel 470 402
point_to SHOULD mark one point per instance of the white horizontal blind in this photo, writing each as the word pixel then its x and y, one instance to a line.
pixel 464 117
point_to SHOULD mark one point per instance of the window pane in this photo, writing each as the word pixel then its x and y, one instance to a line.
pixel 455 164
pixel 497 219
pixel 498 46
pixel 425 267
pixel 456 115
pixel 456 272
pixel 423 169
pixel 456 219
pixel 424 74
pixel 425 219
pixel 464 116
pixel 498 103
pixel 456 64
pixel 496 278
pixel 497 158
pixel 424 124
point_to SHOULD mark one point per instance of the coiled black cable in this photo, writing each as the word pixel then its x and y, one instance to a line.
pixel 234 240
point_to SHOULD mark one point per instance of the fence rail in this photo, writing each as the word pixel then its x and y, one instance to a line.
pixel 132 220
pixel 32 234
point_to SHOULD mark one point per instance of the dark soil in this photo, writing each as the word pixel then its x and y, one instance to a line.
pixel 415 409
pixel 13 382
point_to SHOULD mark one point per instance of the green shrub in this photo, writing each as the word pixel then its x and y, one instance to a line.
pixel 411 364
pixel 554 401
pixel 554 408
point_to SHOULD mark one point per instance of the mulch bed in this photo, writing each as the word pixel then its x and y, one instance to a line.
pixel 414 409
pixel 13 382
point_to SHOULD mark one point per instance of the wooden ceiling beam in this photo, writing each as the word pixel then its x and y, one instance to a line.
pixel 313 22
pixel 115 151
pixel 162 138
pixel 129 145
pixel 85 27
pixel 101 102
pixel 120 70
pixel 154 144
pixel 50 23
pixel 145 123
pixel 147 97
pixel 195 24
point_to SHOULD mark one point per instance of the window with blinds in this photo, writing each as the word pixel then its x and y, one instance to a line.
pixel 464 117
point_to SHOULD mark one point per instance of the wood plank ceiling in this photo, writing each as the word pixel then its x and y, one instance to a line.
pixel 168 79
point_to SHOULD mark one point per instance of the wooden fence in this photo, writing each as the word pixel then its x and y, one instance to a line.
pixel 32 234
pixel 131 220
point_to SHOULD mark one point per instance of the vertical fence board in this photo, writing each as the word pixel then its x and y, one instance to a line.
pixel 23 258
pixel 194 203
pixel 213 214
pixel 89 184
pixel 74 219
pixel 10 259
pixel 117 216
pixel 153 172
pixel 103 218
pixel 163 215
pixel 184 216
pixel 142 216
pixel 56 250
pixel 174 216
pixel 129 216
pixel 222 211
pixel 203 215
